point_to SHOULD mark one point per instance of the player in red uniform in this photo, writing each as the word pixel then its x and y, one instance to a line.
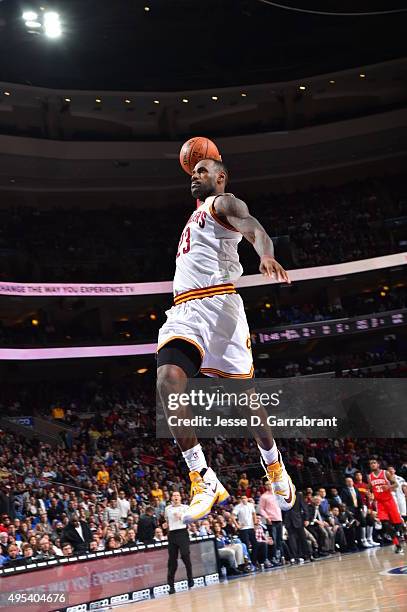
pixel 382 484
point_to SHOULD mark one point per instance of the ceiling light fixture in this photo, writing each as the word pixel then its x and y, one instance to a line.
pixel 185 100
pixel 33 24
pixel 30 16
pixel 214 97
pixel 156 101
pixel 52 25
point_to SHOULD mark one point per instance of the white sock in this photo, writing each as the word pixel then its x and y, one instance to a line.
pixel 269 456
pixel 195 458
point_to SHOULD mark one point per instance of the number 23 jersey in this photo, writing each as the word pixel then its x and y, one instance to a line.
pixel 207 251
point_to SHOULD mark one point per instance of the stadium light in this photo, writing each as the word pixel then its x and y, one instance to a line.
pixel 30 16
pixel 52 25
pixel 49 22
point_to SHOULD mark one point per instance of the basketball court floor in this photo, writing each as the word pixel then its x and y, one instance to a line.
pixel 355 582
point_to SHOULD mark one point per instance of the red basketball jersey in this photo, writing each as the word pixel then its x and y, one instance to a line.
pixel 380 491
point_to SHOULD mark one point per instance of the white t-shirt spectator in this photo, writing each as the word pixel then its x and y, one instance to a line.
pixel 112 514
pixel 244 515
pixel 124 507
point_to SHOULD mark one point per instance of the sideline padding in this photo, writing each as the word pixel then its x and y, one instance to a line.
pixel 251 280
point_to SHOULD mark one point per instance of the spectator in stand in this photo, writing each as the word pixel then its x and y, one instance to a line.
pixel 299 547
pixel 245 514
pixel 340 538
pixel 103 476
pixel 67 549
pixel 243 482
pixel 13 556
pixel 4 542
pixel 335 498
pixel 112 512
pixel 353 501
pixel 55 510
pixel 349 524
pixel 270 511
pixel 28 555
pixel 146 526
pixel 156 492
pixel 131 538
pixel 230 553
pixel 78 534
pixel 46 550
pixel 324 505
pixel 319 528
pixel 361 486
pixel 264 543
pixel 159 536
pixel 124 506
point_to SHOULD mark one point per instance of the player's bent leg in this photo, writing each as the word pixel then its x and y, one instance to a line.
pixel 270 457
pixel 177 361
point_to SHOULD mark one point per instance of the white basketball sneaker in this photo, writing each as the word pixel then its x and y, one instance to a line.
pixel 206 491
pixel 283 487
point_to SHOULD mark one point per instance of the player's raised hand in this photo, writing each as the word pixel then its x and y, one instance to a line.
pixel 270 267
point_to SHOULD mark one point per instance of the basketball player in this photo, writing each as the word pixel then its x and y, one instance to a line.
pixel 206 331
pixel 400 492
pixel 382 485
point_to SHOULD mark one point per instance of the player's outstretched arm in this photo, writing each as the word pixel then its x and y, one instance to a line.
pixel 237 214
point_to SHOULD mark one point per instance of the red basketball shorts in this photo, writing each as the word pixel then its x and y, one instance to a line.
pixel 388 511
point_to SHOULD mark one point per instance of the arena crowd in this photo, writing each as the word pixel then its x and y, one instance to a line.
pixel 109 488
pixel 120 244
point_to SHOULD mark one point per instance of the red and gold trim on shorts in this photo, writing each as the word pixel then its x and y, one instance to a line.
pixel 221 222
pixel 198 294
pixel 219 373
pixel 198 346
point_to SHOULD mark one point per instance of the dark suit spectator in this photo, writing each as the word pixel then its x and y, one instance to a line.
pixel 146 526
pixel 55 510
pixel 334 498
pixel 78 534
pixel 351 497
pixel 340 538
pixel 353 500
pixel 7 502
pixel 349 524
pixel 294 519
pixel 319 528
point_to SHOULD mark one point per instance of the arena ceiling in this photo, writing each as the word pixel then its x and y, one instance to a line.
pixel 181 44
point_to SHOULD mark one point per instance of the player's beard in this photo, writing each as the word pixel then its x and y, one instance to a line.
pixel 201 192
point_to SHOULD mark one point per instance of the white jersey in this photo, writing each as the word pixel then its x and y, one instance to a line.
pixel 399 495
pixel 207 251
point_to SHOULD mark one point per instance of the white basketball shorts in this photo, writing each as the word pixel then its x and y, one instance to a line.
pixel 214 320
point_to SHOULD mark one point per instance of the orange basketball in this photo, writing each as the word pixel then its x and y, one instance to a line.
pixel 196 149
